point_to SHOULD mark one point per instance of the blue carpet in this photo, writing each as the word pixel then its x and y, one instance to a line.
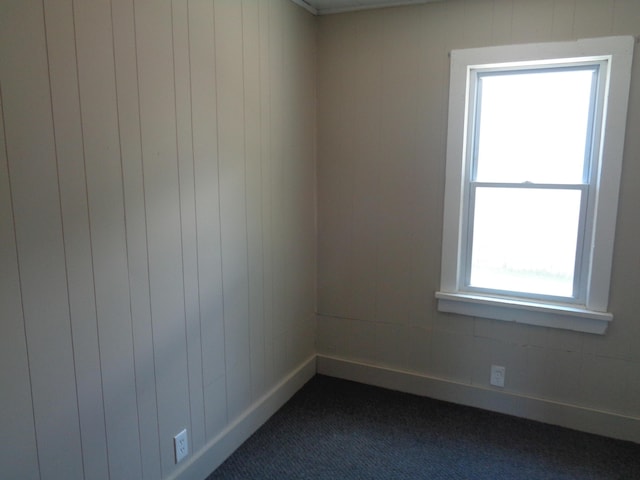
pixel 335 429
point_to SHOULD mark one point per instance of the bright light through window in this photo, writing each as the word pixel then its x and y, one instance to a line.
pixel 524 240
pixel 533 126
pixel 531 159
pixel 534 156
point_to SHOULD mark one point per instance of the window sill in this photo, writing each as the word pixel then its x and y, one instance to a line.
pixel 568 317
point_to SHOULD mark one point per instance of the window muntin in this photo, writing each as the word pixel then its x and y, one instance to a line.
pixel 529 181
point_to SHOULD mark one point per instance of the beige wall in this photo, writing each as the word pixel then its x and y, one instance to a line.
pixel 157 218
pixel 157 225
pixel 382 116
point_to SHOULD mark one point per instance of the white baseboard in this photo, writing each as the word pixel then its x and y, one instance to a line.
pixel 216 451
pixel 547 411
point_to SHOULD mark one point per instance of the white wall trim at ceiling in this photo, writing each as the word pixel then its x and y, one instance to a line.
pixel 576 417
pixel 306 6
pixel 353 8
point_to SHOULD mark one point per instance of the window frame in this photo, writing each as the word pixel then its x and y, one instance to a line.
pixel 586 186
pixel 588 313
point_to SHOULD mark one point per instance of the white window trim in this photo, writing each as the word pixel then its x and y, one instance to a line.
pixel 591 317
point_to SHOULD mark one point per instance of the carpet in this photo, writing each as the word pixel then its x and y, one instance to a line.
pixel 336 429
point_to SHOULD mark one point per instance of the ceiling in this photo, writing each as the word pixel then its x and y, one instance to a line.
pixel 325 7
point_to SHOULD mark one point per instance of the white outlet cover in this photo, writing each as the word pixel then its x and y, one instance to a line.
pixel 181 445
pixel 497 375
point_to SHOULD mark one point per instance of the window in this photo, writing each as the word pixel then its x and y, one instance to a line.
pixel 534 156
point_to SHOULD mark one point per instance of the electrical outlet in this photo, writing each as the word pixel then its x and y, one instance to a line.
pixel 497 375
pixel 181 445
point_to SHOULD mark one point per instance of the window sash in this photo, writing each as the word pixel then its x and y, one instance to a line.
pixel 616 55
pixel 597 67
pixel 587 205
pixel 581 257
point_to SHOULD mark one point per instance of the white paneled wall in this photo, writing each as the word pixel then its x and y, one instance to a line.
pixel 382 113
pixel 157 206
pixel 158 221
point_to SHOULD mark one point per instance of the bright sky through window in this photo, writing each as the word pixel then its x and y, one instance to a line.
pixel 531 155
pixel 535 139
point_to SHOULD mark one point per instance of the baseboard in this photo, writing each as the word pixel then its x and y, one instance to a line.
pixel 543 410
pixel 216 451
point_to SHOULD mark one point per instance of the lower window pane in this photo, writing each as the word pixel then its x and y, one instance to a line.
pixel 524 240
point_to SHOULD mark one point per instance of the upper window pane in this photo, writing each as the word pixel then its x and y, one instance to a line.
pixel 534 125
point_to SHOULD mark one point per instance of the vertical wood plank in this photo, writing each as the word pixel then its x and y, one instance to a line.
pixel 532 21
pixel 501 24
pixel 37 217
pixel 478 23
pixel 278 98
pixel 267 193
pixel 188 220
pixel 336 144
pixel 398 189
pixel 286 173
pixel 563 19
pixel 161 186
pixel 299 69
pixel 626 17
pixel 125 59
pixel 98 103
pixel 205 153
pixel 230 103
pixel 303 190
pixel 75 218
pixel 593 18
pixel 367 158
pixel 252 118
pixel 452 17
pixel 16 407
pixel 431 140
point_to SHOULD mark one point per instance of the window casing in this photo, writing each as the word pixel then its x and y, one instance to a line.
pixel 498 218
